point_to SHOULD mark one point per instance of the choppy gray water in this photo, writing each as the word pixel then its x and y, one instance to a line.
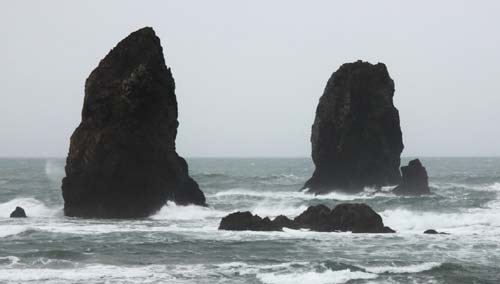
pixel 183 245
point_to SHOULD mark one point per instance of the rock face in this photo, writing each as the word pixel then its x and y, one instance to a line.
pixel 122 161
pixel 284 222
pixel 415 180
pixel 243 221
pixel 357 218
pixel 354 217
pixel 18 213
pixel 356 137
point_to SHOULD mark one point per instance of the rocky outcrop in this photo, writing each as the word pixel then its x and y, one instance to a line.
pixel 353 217
pixel 122 161
pixel 356 137
pixel 356 218
pixel 282 221
pixel 18 213
pixel 245 221
pixel 415 180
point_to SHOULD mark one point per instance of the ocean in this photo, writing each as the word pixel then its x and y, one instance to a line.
pixel 183 245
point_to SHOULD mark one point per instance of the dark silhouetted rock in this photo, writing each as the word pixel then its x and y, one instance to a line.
pixel 122 161
pixel 354 217
pixel 316 218
pixel 245 221
pixel 18 213
pixel 357 218
pixel 284 222
pixel 415 180
pixel 434 232
pixel 356 138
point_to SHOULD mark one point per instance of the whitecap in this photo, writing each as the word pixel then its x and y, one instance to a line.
pixel 326 277
pixel 272 209
pixel 472 221
pixel 86 274
pixel 10 260
pixel 10 230
pixel 303 195
pixel 171 211
pixel 33 208
pixel 414 268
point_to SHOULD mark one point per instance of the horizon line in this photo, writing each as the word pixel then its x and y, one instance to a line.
pixel 264 157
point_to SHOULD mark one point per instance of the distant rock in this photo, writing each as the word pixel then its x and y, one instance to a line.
pixel 415 180
pixel 18 213
pixel 122 161
pixel 245 221
pixel 357 218
pixel 356 137
pixel 434 232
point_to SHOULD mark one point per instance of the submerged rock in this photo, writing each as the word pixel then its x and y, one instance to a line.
pixel 434 232
pixel 357 218
pixel 356 137
pixel 18 213
pixel 415 180
pixel 122 161
pixel 245 221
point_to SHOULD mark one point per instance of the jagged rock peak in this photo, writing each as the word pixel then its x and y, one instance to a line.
pixel 122 161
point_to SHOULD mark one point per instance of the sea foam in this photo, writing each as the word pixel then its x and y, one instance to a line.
pixel 414 268
pixel 326 277
pixel 32 206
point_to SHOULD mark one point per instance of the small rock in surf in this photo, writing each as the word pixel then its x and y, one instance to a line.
pixel 18 213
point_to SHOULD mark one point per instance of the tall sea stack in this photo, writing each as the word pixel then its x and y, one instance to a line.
pixel 122 161
pixel 356 138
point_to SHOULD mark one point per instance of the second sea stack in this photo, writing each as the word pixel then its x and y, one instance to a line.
pixel 356 137
pixel 122 161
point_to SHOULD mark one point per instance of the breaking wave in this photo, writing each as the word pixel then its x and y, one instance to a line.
pixel 325 277
pixel 32 206
pixel 367 194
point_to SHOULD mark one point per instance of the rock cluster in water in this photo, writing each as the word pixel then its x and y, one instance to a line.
pixel 122 161
pixel 356 137
pixel 357 218
pixel 18 213
pixel 415 180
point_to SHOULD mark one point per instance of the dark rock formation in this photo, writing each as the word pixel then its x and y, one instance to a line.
pixel 415 180
pixel 434 232
pixel 18 213
pixel 315 218
pixel 243 221
pixel 284 222
pixel 356 138
pixel 122 161
pixel 357 218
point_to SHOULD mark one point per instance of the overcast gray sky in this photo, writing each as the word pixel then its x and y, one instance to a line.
pixel 249 73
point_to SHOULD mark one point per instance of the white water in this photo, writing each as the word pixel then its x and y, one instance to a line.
pixel 326 277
